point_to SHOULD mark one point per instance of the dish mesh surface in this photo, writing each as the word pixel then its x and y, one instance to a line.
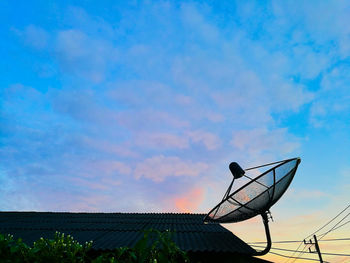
pixel 257 196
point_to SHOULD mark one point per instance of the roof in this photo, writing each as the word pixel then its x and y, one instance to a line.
pixel 111 230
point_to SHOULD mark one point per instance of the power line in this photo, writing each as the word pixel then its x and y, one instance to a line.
pixel 334 226
pixel 282 249
pixel 328 222
pixel 305 246
pixel 335 239
pixel 297 241
pixel 336 254
pixel 319 230
pixel 285 241
pixel 338 227
pixel 292 257
pixel 323 253
pixel 300 253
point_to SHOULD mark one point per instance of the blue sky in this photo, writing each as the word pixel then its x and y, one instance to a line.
pixel 141 106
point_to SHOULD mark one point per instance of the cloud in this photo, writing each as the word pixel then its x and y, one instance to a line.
pixel 210 140
pixel 108 147
pixel 81 20
pixel 168 94
pixel 107 167
pixel 83 107
pixel 34 36
pixel 332 102
pixel 196 21
pixel 19 92
pixel 83 55
pixel 158 168
pixel 150 119
pixel 190 201
pixel 153 93
pixel 300 194
pixel 171 141
pixel 161 140
pixel 97 184
pixel 290 96
pixel 258 141
pixel 14 197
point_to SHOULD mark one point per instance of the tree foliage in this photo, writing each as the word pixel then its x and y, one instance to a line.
pixel 154 247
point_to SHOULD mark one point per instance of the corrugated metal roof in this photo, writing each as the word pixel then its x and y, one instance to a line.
pixel 111 230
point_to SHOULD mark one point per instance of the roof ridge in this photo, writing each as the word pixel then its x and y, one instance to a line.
pixel 93 212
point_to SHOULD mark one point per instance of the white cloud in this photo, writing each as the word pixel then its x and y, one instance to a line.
pixel 34 36
pixel 160 167
pixel 83 55
pixel 258 141
pixel 150 119
pixel 180 81
pixel 210 140
pixel 195 20
pixel 161 140
pixel 107 167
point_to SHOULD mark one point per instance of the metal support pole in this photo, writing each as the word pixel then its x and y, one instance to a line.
pixel 318 249
pixel 268 236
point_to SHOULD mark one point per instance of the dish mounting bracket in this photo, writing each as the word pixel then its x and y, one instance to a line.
pixel 266 216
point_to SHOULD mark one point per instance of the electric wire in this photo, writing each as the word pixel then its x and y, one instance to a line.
pixel 285 241
pixel 334 239
pixel 332 229
pixel 335 254
pixel 282 249
pixel 300 253
pixel 294 257
pixel 347 222
pixel 297 241
pixel 329 222
pixel 319 239
pixel 323 253
pixel 305 245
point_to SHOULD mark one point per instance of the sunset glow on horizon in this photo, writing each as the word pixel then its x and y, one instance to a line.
pixel 140 106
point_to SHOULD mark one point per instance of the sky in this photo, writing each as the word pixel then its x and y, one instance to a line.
pixel 140 106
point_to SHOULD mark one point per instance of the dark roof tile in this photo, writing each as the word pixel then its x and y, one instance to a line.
pixel 111 230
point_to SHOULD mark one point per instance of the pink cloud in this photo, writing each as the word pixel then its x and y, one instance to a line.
pixel 96 183
pixel 215 117
pixel 162 140
pixel 300 194
pixel 168 140
pixel 107 167
pixel 210 140
pixel 190 201
pixel 109 147
pixel 90 203
pixel 158 168
pixel 101 169
pixel 150 119
pixel 183 100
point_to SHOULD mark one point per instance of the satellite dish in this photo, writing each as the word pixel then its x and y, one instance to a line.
pixel 255 197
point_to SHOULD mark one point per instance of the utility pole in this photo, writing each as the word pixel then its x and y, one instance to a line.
pixel 315 243
pixel 318 249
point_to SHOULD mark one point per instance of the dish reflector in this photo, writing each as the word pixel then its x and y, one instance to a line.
pixel 257 196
